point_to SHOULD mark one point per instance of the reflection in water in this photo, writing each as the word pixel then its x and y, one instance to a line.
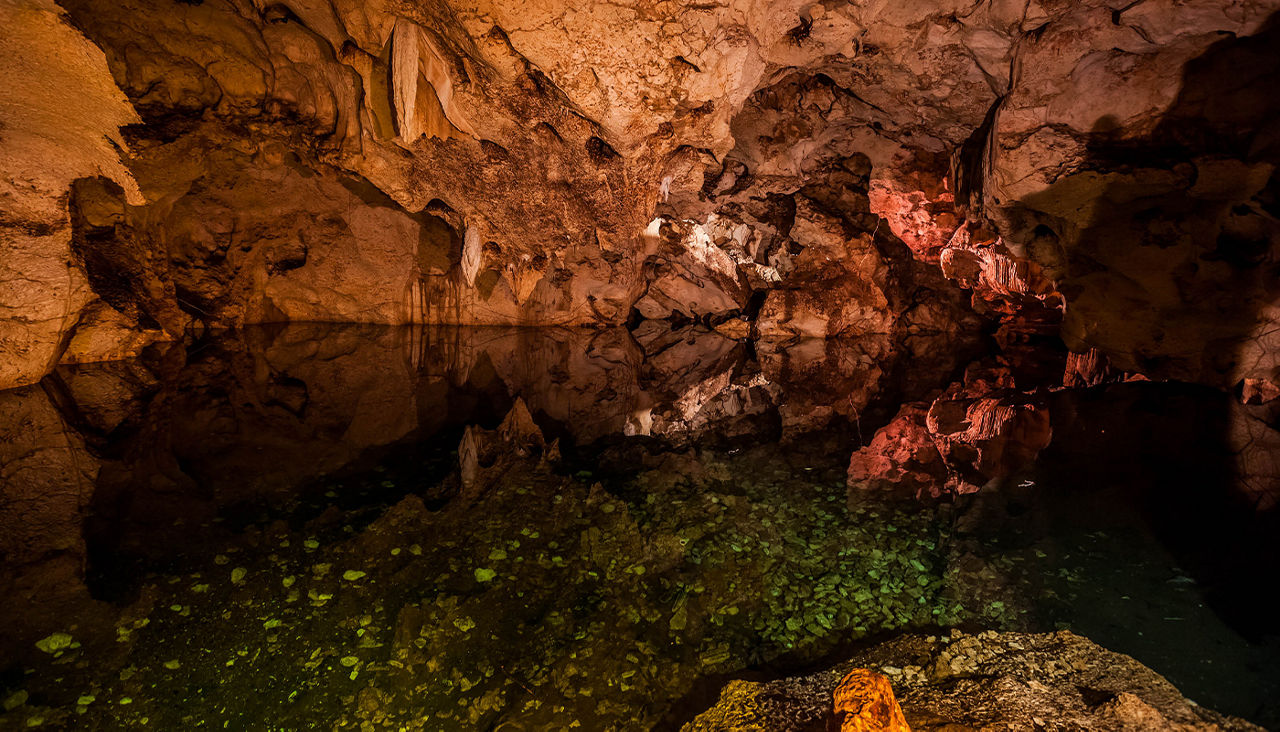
pixel 527 529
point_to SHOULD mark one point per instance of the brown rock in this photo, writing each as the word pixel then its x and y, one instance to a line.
pixel 47 483
pixel 736 328
pixel 1254 444
pixel 47 476
pixel 502 163
pixel 693 274
pixel 841 288
pixel 1259 391
pixel 60 114
pixel 104 334
pixel 1114 221
pixel 985 681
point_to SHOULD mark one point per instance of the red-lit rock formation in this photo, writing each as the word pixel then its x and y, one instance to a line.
pixel 1008 287
pixel 919 209
pixel 902 456
pixel 954 445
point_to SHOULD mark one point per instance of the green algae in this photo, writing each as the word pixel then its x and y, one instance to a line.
pixel 55 642
pixel 14 700
pixel 600 609
pixel 710 579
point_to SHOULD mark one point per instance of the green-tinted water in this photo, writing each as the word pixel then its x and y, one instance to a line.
pixel 279 538
pixel 548 603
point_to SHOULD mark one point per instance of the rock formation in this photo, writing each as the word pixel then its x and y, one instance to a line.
pixel 864 702
pixel 60 115
pixel 568 164
pixel 984 681
pixel 976 430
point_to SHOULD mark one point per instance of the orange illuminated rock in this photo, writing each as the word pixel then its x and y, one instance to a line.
pixel 864 702
pixel 1259 391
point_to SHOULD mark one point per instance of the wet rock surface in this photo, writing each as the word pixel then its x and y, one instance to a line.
pixel 985 681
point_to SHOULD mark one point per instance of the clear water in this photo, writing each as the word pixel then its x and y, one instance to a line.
pixel 267 530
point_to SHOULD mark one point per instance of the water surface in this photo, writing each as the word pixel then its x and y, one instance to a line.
pixel 271 529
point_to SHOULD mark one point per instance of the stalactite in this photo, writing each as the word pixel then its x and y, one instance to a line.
pixel 422 109
pixel 523 281
pixel 404 78
pixel 471 255
pixel 972 164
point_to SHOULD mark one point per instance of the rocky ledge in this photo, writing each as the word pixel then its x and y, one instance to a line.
pixel 987 681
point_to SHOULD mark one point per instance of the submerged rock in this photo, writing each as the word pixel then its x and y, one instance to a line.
pixel 984 681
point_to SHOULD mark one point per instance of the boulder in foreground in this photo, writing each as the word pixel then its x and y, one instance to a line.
pixel 989 681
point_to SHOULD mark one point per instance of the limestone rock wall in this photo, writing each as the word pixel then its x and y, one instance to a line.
pixel 800 169
pixel 1151 203
pixel 60 115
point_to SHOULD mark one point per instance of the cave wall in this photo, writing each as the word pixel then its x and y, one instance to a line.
pixel 1157 214
pixel 60 116
pixel 778 170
